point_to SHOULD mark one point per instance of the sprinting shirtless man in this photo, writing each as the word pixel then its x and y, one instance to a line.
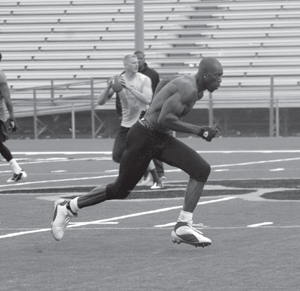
pixel 149 138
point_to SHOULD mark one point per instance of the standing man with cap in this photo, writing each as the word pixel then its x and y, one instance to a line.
pixel 154 76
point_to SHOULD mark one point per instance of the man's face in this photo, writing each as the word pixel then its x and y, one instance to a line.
pixel 132 66
pixel 213 78
pixel 141 60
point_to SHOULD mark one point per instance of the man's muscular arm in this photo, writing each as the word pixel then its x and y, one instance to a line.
pixel 146 95
pixel 106 94
pixel 177 106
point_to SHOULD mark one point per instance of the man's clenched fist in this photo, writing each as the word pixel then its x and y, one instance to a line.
pixel 207 133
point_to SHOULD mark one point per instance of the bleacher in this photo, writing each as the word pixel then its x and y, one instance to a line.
pixel 72 41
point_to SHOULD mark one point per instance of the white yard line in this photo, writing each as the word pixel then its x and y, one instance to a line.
pixel 256 162
pixel 260 224
pixel 114 218
pixel 109 152
pixel 56 181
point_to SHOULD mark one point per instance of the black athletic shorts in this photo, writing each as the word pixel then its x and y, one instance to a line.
pixel 143 145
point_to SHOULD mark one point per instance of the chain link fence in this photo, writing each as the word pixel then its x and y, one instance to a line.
pixel 66 119
pixel 70 111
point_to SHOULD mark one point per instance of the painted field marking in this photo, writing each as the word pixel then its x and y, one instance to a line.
pixel 58 160
pixel 106 176
pixel 109 158
pixel 114 218
pixel 24 232
pixel 110 222
pixel 257 162
pixel 277 170
pixel 55 181
pixel 173 223
pixel 154 211
pixel 64 153
pixel 260 224
pixel 166 225
pixel 109 152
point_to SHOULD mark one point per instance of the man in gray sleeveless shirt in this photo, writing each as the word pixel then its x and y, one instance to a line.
pixel 5 103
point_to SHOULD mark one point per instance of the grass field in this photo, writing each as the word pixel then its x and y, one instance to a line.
pixel 249 209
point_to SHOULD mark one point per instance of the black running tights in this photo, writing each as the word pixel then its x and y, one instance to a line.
pixel 5 152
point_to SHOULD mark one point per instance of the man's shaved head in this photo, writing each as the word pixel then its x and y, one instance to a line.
pixel 210 72
pixel 209 64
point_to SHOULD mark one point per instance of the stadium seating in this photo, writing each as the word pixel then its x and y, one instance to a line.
pixel 71 41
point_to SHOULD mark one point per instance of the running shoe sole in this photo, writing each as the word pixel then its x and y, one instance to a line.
pixel 179 240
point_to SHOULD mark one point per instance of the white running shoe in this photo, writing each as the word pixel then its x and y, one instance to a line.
pixel 185 233
pixel 61 218
pixel 17 177
pixel 157 185
pixel 145 181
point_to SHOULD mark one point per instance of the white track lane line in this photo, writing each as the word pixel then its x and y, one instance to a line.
pixel 260 224
pixel 59 160
pixel 177 170
pixel 109 152
pixel 114 218
pixel 56 181
pixel 257 162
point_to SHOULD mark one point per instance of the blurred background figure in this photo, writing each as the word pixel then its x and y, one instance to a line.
pixel 7 125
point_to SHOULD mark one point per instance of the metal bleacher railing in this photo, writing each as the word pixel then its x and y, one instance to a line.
pixel 57 56
pixel 70 111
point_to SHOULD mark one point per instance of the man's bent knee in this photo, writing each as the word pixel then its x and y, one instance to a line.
pixel 116 160
pixel 203 173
